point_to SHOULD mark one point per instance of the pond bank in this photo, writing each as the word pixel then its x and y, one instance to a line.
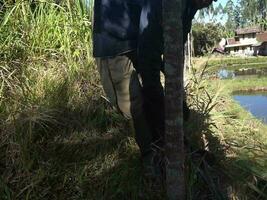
pixel 243 135
pixel 236 66
pixel 249 90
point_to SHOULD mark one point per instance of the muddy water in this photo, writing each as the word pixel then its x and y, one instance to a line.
pixel 255 103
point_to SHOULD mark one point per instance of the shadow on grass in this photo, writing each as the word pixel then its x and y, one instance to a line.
pixel 104 166
pixel 91 154
pixel 205 154
pixel 68 153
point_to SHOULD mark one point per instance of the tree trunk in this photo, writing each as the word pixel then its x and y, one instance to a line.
pixel 187 58
pixel 174 63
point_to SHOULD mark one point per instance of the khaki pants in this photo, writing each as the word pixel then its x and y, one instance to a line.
pixel 122 87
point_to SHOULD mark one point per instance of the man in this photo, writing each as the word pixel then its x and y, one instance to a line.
pixel 127 42
pixel 115 34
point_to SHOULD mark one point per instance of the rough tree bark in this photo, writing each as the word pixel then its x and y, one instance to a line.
pixel 174 63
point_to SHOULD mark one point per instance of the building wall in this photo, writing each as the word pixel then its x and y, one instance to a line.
pixel 245 50
pixel 247 38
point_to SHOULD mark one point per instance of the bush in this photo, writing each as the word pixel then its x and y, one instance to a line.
pixel 206 37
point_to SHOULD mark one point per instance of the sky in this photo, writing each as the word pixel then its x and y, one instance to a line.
pixel 223 2
pixel 221 19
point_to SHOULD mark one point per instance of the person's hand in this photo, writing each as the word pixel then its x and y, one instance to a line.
pixel 199 4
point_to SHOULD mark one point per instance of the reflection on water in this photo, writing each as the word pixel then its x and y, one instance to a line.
pixel 242 73
pixel 256 103
pixel 226 74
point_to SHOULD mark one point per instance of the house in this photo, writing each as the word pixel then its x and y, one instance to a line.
pixel 244 41
pixel 261 47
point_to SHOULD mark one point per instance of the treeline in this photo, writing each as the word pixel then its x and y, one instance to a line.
pixel 244 13
pixel 238 13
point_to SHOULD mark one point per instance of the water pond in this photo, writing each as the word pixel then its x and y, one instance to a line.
pixel 255 103
pixel 242 73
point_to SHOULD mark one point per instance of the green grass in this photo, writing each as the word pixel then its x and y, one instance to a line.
pixel 243 137
pixel 213 64
pixel 61 140
pixel 220 61
pixel 232 85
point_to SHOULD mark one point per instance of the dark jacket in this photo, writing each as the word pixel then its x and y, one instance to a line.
pixel 117 25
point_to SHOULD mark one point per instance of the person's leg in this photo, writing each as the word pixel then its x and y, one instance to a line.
pixel 122 87
pixel 150 64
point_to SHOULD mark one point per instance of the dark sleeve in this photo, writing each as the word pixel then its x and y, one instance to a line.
pixel 120 18
pixel 150 40
pixel 116 26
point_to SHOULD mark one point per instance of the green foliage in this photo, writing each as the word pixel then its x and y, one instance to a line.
pixel 59 138
pixel 211 12
pixel 238 139
pixel 253 10
pixel 47 87
pixel 206 37
pixel 236 61
pixel 229 9
pixel 238 14
pixel 245 13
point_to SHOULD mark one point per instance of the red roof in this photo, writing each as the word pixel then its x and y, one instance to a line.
pixel 262 37
pixel 232 41
pixel 253 29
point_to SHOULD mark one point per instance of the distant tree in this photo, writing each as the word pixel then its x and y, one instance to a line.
pixel 229 9
pixel 249 11
pixel 239 13
pixel 206 37
pixel 210 12
pixel 262 4
pixel 239 22
pixel 207 12
pixel 253 11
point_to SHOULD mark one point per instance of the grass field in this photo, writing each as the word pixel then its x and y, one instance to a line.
pixel 226 60
pixel 234 63
pixel 245 135
pixel 60 139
